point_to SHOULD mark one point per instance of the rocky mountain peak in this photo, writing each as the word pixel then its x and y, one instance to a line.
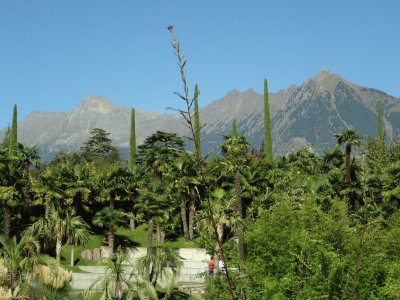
pixel 96 104
pixel 233 92
pixel 250 92
pixel 325 80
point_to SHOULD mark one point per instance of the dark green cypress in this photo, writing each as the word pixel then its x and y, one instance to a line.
pixel 13 144
pixel 267 127
pixel 196 123
pixel 132 143
pixel 234 128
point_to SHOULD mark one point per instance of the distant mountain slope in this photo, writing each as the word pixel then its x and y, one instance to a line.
pixel 307 115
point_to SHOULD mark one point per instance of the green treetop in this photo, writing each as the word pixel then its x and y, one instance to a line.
pixel 234 128
pixel 132 143
pixel 13 144
pixel 99 146
pixel 267 129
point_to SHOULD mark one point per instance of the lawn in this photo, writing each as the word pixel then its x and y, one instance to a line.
pixel 123 236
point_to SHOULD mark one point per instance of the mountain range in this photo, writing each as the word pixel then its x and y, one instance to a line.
pixel 307 115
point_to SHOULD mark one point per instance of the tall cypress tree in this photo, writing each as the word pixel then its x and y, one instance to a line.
pixel 132 143
pixel 234 128
pixel 196 123
pixel 131 166
pixel 13 144
pixel 267 127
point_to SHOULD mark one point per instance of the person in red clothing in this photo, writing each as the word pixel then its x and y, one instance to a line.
pixel 211 266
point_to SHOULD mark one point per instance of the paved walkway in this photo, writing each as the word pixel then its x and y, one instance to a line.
pixel 194 263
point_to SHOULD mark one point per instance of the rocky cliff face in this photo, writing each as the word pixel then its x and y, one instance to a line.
pixel 326 104
pixel 308 115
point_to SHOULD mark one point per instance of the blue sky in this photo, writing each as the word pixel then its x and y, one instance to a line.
pixel 55 53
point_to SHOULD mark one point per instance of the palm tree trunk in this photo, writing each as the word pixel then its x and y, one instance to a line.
pixel 238 194
pixel 158 234
pixel 150 229
pixel 192 213
pixel 112 201
pixel 162 236
pixel 132 223
pixel 150 248
pixel 58 248
pixel 118 288
pixel 220 232
pixel 239 204
pixel 184 217
pixel 347 164
pixel 13 280
pixel 220 235
pixel 218 244
pixel 72 255
pixel 46 209
pixel 111 235
pixel 74 208
pixel 6 221
pixel 25 192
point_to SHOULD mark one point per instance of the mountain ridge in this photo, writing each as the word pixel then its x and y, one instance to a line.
pixel 306 115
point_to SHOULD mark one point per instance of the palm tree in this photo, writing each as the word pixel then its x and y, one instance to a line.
pixel 20 257
pixel 110 218
pixel 62 225
pixel 10 179
pixel 132 191
pixel 117 283
pixel 27 274
pixel 234 148
pixel 349 137
pixel 185 181
pixel 78 234
pixel 115 185
pixel 110 286
pixel 150 204
pixel 78 182
pixel 223 211
pixel 29 157
pixel 48 188
pixel 157 155
pixel 8 196
pixel 165 265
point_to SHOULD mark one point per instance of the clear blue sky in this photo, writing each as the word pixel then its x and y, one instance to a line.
pixel 55 53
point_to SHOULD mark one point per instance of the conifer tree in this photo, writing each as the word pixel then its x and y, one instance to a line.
pixel 234 128
pixel 13 144
pixel 131 166
pixel 132 143
pixel 196 123
pixel 267 128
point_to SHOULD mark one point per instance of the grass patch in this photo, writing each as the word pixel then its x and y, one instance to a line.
pixel 123 236
pixel 138 238
pixel 94 242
